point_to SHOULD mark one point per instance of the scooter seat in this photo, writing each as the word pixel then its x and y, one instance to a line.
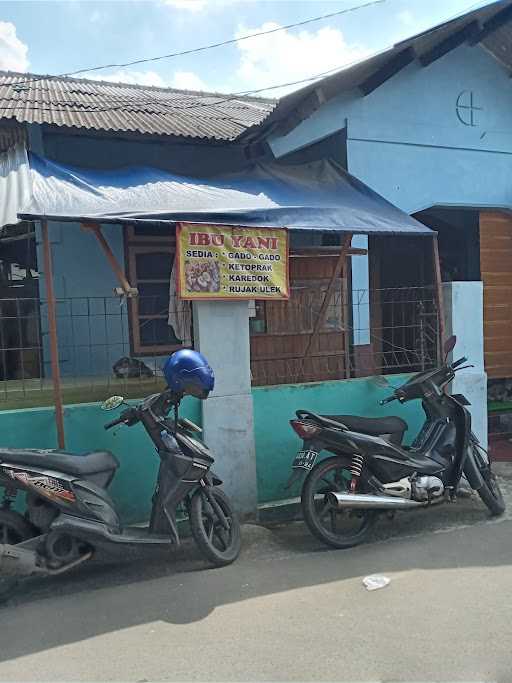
pixel 392 427
pixel 95 462
pixel 375 426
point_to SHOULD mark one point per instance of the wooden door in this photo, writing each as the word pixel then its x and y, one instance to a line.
pixel 278 351
pixel 496 273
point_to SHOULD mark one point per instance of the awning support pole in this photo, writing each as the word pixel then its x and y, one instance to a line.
pixel 338 269
pixel 126 288
pixel 438 292
pixel 52 329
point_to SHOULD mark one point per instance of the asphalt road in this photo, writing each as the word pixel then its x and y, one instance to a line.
pixel 287 610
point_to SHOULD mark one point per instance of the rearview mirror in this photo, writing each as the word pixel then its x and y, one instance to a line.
pixel 449 344
pixel 112 403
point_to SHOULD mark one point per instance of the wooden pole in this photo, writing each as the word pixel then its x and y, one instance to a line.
pixel 52 328
pixel 128 290
pixel 338 268
pixel 438 291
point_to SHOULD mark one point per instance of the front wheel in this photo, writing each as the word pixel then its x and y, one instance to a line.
pixel 220 546
pixel 490 492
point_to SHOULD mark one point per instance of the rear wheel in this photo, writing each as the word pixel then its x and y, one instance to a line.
pixel 337 528
pixel 14 529
pixel 220 546
pixel 490 492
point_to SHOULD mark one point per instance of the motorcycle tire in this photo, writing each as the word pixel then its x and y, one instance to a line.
pixel 313 518
pixel 490 492
pixel 218 545
pixel 14 529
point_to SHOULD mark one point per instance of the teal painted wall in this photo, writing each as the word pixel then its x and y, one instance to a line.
pixel 133 484
pixel 277 443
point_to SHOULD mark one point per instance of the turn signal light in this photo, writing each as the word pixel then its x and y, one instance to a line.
pixel 306 430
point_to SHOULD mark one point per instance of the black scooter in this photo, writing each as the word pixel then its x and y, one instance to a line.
pixel 69 513
pixel 372 472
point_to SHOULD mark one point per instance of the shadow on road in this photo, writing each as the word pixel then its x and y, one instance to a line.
pixel 108 595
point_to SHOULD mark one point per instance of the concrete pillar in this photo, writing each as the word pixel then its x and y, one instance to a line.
pixel 221 333
pixel 364 360
pixel 464 314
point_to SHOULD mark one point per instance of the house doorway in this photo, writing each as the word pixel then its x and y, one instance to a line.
pixel 404 317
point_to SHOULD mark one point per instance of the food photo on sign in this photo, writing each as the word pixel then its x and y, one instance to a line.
pixel 225 262
pixel 202 276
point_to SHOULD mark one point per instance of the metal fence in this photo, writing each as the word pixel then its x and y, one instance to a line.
pixel 365 332
pixel 106 345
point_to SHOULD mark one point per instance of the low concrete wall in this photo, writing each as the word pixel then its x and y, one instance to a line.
pixel 133 484
pixel 275 406
pixel 276 443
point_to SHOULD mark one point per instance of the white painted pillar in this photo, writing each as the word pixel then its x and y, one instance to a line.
pixel 221 333
pixel 464 313
pixel 360 293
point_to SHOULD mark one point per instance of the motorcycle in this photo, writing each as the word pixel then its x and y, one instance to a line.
pixel 69 514
pixel 371 472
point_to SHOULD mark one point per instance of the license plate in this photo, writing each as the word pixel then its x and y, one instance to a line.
pixel 305 460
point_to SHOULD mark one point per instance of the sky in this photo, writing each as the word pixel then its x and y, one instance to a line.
pixel 56 37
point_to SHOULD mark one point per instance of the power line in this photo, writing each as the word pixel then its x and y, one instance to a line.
pixel 83 109
pixel 233 96
pixel 211 46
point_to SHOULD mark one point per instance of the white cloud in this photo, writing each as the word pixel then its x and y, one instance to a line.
pixel 182 80
pixel 290 56
pixel 190 5
pixel 406 18
pixel 188 80
pixel 131 77
pixel 13 52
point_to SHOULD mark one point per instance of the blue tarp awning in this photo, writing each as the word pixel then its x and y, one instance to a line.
pixel 314 196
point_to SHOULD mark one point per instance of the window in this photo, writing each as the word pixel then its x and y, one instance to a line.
pixel 150 256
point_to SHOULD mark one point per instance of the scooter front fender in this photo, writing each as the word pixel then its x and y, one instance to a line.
pixel 213 480
pixel 473 474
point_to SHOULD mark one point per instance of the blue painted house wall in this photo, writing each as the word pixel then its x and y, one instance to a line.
pixel 93 326
pixel 406 142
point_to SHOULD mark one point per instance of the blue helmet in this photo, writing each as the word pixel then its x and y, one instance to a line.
pixel 188 372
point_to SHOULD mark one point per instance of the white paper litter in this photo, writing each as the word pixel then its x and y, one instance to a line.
pixel 376 581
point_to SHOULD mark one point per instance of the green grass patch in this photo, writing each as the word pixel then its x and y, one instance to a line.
pixel 18 394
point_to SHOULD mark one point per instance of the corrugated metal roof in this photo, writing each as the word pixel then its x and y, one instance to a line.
pixel 100 105
pixel 499 44
pixel 298 105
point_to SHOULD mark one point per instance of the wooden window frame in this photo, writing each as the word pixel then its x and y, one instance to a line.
pixel 145 244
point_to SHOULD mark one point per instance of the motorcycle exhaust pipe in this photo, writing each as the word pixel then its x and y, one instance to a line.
pixel 367 501
pixel 16 561
pixel 19 561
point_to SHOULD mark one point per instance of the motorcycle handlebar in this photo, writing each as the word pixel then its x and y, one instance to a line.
pixel 119 421
pixel 388 400
pixel 461 361
pixel 127 417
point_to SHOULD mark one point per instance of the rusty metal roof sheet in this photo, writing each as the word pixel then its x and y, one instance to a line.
pixel 119 107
